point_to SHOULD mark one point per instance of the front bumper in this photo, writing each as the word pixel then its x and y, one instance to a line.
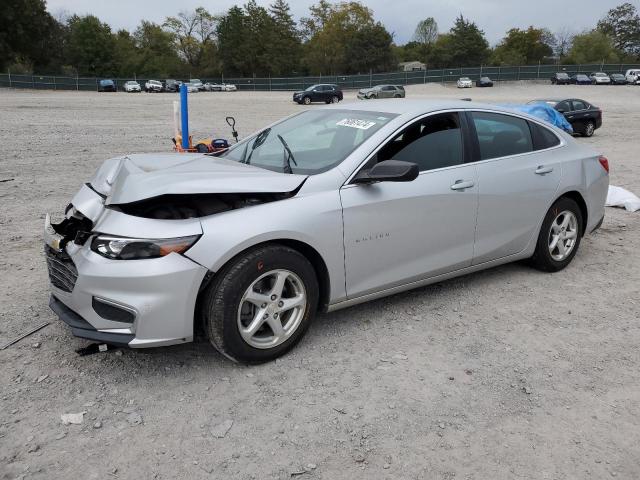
pixel 149 302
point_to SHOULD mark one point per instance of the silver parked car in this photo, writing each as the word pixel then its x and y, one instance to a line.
pixel 382 91
pixel 323 210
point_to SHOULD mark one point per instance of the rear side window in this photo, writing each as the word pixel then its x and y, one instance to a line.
pixel 501 135
pixel 542 137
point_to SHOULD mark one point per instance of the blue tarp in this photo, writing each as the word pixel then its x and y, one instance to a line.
pixel 545 112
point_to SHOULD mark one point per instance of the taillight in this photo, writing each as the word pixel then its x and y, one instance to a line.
pixel 604 162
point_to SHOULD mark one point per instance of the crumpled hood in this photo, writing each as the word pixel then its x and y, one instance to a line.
pixel 137 177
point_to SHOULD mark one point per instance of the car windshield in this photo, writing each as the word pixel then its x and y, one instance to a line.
pixel 317 140
pixel 600 74
pixel 464 79
pixel 308 89
pixel 563 75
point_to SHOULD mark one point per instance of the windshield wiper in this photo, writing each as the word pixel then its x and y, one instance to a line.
pixel 288 157
pixel 260 139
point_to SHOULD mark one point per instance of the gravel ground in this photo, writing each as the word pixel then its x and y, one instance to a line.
pixel 509 373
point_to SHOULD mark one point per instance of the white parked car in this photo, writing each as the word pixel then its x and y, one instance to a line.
pixel 465 82
pixel 633 76
pixel 153 86
pixel 197 83
pixel 229 87
pixel 600 78
pixel 192 87
pixel 132 86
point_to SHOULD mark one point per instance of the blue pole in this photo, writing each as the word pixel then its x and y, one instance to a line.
pixel 184 116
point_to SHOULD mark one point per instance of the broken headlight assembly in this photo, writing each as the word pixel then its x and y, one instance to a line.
pixel 123 248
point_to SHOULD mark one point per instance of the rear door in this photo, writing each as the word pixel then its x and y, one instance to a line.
pixel 398 233
pixel 518 175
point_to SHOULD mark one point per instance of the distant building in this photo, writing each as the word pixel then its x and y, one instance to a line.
pixel 412 66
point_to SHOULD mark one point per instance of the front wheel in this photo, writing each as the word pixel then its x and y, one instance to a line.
pixel 559 236
pixel 306 100
pixel 335 99
pixel 261 304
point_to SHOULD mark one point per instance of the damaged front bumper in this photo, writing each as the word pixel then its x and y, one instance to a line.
pixel 138 303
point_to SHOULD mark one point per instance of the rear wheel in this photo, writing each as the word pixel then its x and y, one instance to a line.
pixel 261 304
pixel 559 236
pixel 588 129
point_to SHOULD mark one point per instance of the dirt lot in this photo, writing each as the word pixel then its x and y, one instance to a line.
pixel 505 374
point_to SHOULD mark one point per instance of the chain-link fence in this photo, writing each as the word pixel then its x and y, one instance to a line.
pixel 444 75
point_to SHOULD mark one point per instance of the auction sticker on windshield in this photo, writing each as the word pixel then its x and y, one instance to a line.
pixel 356 123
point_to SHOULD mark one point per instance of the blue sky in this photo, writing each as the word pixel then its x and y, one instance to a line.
pixel 400 17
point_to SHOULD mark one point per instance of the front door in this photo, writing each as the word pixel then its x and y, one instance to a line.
pixel 397 233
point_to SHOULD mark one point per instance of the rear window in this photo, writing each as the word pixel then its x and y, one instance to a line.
pixel 542 138
pixel 501 135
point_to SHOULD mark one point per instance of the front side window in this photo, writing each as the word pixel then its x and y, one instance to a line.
pixel 563 107
pixel 432 142
pixel 317 139
pixel 579 105
pixel 501 135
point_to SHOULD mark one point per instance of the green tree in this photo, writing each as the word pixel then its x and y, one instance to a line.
pixel 593 47
pixel 370 49
pixel 232 44
pixel 90 48
pixel 125 54
pixel 30 35
pixel 411 51
pixel 523 47
pixel 285 47
pixel 622 25
pixel 156 52
pixel 426 32
pixel 331 29
pixel 192 31
pixel 465 45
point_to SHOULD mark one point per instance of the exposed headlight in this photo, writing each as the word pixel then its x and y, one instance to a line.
pixel 123 248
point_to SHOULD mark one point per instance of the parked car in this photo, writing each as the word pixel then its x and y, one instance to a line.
pixel 106 85
pixel 484 82
pixel 197 83
pixel 580 79
pixel 171 85
pixel 464 82
pixel 560 78
pixel 618 79
pixel 131 86
pixel 192 87
pixel 212 87
pixel 583 117
pixel 153 86
pixel 323 92
pixel 633 76
pixel 600 78
pixel 308 215
pixel 381 91
pixel 229 87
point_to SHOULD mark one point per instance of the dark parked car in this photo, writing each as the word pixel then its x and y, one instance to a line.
pixel 561 78
pixel 324 92
pixel 583 117
pixel 106 85
pixel 580 79
pixel 484 82
pixel 171 85
pixel 618 79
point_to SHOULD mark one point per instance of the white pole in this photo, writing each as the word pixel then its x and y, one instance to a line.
pixel 176 119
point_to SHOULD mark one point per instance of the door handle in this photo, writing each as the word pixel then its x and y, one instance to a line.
pixel 461 185
pixel 541 170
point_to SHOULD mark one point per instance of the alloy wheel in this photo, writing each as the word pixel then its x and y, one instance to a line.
pixel 272 309
pixel 589 129
pixel 563 235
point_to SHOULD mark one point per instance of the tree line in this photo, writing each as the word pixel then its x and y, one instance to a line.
pixel 248 40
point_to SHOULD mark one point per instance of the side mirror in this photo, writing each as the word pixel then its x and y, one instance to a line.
pixel 389 171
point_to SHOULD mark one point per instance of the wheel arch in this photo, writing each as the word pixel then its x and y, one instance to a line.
pixel 309 252
pixel 582 204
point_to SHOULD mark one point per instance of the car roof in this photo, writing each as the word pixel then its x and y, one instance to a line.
pixel 413 107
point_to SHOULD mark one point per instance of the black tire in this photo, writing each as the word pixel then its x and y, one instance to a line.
pixel 588 129
pixel 202 148
pixel 542 259
pixel 221 301
pixel 306 100
pixel 335 99
pixel 397 95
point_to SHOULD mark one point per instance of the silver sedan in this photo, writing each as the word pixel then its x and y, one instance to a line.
pixel 382 91
pixel 323 210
